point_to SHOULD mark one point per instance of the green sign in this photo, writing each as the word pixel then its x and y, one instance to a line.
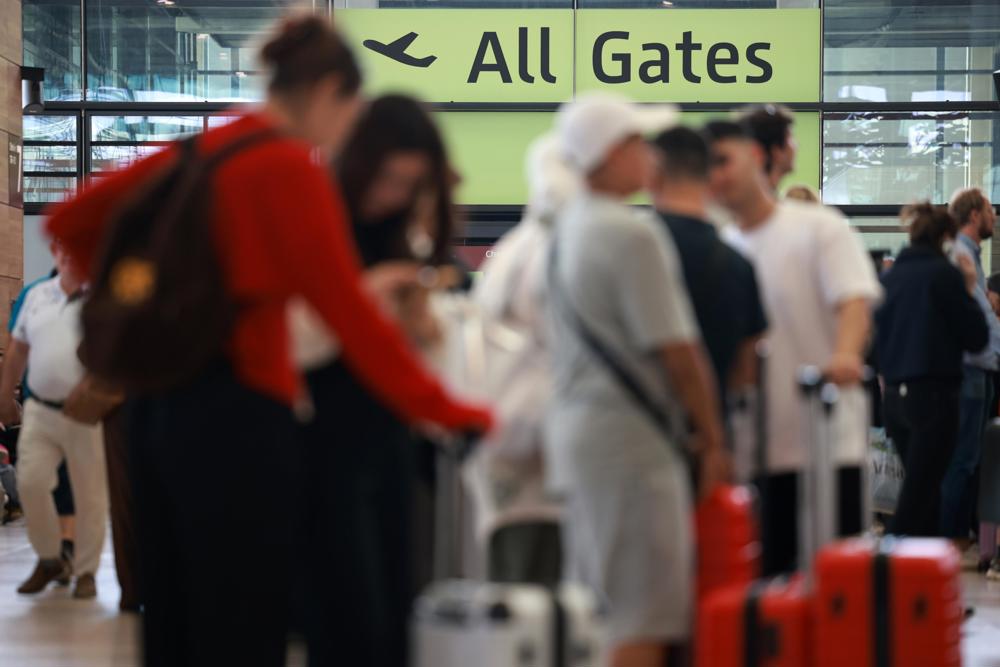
pixel 488 149
pixel 701 55
pixel 478 55
pixel 541 55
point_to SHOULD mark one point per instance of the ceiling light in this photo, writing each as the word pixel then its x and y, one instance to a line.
pixel 166 3
pixel 202 35
pixel 241 75
pixel 667 3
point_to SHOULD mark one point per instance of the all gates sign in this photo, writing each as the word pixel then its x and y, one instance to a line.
pixel 506 55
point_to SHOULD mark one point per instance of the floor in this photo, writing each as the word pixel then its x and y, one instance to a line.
pixel 53 630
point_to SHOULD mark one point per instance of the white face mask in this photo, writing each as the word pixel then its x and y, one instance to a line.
pixel 948 246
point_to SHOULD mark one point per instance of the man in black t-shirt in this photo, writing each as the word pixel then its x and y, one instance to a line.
pixel 721 283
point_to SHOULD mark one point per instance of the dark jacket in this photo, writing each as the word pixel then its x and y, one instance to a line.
pixel 928 319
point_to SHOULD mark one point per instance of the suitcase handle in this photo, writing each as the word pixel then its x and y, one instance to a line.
pixel 818 487
pixel 449 508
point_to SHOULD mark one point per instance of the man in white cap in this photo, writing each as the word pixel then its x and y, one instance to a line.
pixel 631 379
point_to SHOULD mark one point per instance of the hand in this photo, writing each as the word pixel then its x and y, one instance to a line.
pixel 845 369
pixel 715 467
pixel 10 414
pixel 968 270
pixel 386 279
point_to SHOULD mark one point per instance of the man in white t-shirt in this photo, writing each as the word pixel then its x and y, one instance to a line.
pixel 620 466
pixel 45 339
pixel 819 287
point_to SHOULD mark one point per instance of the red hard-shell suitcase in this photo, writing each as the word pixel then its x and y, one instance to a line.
pixel 768 623
pixel 763 624
pixel 728 546
pixel 888 603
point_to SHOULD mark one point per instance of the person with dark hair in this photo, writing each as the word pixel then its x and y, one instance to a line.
pixel 217 576
pixel 770 125
pixel 359 456
pixel 818 287
pixel 928 319
pixel 975 218
pixel 721 282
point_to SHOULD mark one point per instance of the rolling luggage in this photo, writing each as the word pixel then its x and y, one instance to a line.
pixel 768 623
pixel 888 603
pixel 462 622
pixel 728 546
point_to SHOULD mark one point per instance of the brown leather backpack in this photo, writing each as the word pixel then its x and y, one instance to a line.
pixel 158 312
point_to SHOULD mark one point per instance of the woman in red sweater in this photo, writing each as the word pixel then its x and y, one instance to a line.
pixel 217 563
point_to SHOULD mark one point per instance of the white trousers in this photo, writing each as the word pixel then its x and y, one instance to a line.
pixel 47 437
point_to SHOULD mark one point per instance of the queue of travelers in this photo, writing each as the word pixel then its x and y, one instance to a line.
pixel 333 218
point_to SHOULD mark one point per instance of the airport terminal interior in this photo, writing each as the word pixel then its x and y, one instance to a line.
pixel 891 101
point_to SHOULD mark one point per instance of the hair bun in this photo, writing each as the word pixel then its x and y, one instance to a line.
pixel 293 35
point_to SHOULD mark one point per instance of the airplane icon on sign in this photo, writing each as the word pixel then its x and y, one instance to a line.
pixel 397 51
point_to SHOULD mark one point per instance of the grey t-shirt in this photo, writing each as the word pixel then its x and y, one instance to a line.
pixel 619 269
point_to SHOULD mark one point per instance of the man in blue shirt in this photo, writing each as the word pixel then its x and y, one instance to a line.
pixel 976 218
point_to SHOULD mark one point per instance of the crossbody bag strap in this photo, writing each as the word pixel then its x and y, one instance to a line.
pixel 608 358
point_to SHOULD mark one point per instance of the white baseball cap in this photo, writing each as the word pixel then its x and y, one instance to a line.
pixel 590 126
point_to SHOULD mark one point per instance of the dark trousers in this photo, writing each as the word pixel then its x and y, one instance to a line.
pixel 779 497
pixel 215 550
pixel 922 419
pixel 958 488
pixel 123 533
pixel 356 547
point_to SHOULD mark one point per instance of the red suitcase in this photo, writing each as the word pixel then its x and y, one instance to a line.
pixel 768 623
pixel 894 603
pixel 763 624
pixel 728 547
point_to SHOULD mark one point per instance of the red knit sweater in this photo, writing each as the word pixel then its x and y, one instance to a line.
pixel 281 230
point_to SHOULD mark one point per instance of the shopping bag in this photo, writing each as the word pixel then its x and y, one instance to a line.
pixel 886 470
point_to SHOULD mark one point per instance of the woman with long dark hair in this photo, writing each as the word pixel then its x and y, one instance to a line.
pixel 928 319
pixel 397 185
pixel 217 565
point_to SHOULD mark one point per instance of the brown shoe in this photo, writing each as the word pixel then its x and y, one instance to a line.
pixel 86 588
pixel 47 571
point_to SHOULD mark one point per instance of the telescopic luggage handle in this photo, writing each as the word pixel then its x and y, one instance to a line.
pixel 449 508
pixel 818 488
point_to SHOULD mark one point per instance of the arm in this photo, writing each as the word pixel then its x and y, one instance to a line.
pixel 959 310
pixel 743 374
pixel 318 257
pixel 80 222
pixel 689 372
pixel 853 328
pixel 15 361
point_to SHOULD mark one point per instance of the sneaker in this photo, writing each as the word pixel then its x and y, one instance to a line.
pixel 993 574
pixel 46 572
pixel 86 587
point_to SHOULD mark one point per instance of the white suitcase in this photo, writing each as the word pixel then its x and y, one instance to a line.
pixel 471 623
pixel 468 623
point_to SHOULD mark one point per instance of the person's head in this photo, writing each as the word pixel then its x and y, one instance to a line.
pixel 770 125
pixel 65 267
pixel 601 137
pixel 551 181
pixel 397 180
pixel 802 193
pixel 974 213
pixel 314 81
pixel 929 226
pixel 681 167
pixel 736 163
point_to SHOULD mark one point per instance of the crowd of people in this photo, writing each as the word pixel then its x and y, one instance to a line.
pixel 333 220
